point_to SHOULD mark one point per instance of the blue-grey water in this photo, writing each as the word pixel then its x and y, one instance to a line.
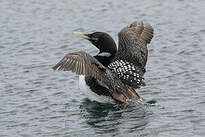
pixel 37 101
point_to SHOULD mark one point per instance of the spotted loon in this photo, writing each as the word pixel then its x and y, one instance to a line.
pixel 113 73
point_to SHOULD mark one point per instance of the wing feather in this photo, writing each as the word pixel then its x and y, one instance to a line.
pixel 84 64
pixel 80 63
pixel 132 50
pixel 133 41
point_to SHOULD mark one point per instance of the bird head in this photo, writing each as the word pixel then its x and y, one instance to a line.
pixel 101 40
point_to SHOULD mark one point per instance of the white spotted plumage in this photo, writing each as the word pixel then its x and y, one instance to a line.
pixel 127 71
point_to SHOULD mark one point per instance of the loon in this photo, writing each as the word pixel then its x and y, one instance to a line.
pixel 113 73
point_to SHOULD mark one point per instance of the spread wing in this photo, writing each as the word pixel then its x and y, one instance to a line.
pixel 84 64
pixel 133 41
pixel 131 58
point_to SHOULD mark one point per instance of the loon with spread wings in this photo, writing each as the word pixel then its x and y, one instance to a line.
pixel 113 73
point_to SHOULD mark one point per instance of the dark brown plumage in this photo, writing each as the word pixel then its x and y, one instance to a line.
pixel 133 41
pixel 83 64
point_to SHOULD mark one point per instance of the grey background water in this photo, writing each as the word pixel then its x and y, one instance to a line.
pixel 36 101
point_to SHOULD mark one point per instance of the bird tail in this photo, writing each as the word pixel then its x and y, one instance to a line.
pixel 133 93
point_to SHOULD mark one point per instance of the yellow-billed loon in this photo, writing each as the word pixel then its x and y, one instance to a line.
pixel 113 73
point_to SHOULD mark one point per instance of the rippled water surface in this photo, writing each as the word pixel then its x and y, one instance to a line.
pixel 36 101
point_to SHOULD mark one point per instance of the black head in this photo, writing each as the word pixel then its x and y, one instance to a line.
pixel 104 43
pixel 101 40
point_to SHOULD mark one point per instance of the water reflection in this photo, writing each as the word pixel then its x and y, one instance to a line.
pixel 103 117
pixel 115 118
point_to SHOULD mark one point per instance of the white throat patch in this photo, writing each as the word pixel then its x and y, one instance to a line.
pixel 104 54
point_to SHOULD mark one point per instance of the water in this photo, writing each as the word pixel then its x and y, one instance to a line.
pixel 36 101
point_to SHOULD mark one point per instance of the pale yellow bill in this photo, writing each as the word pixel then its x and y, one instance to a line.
pixel 81 35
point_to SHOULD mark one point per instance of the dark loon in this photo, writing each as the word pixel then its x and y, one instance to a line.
pixel 113 73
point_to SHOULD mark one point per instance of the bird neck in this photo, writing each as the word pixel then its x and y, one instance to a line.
pixel 104 58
